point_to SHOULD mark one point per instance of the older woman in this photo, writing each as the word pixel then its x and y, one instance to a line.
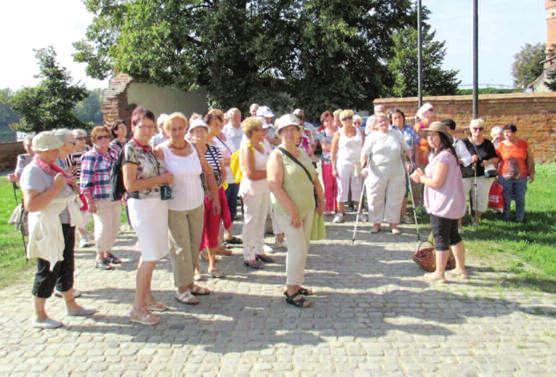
pixel 185 209
pixel 293 182
pixel 517 165
pixel 345 152
pixel 483 155
pixel 216 210
pixel 383 153
pixel 22 159
pixel 496 136
pixel 47 195
pixel 95 186
pixel 325 139
pixel 254 191
pixel 217 138
pixel 425 116
pixel 148 194
pixel 444 200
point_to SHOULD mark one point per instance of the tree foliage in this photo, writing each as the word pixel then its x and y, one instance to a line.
pixel 403 64
pixel 311 53
pixel 527 65
pixel 88 110
pixel 50 104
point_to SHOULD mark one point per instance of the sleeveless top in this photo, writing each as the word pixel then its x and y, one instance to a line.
pixel 349 147
pixel 187 190
pixel 297 185
pixel 260 186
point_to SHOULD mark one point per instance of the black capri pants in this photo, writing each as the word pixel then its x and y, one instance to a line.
pixel 445 233
pixel 61 275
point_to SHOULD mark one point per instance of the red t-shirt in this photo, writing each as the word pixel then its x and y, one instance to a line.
pixel 515 152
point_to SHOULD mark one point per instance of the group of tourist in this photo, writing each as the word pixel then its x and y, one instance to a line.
pixel 182 193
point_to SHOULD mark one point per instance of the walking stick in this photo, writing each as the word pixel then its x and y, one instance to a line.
pixel 20 220
pixel 359 207
pixel 475 196
pixel 413 203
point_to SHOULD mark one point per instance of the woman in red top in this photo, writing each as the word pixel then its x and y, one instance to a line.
pixel 517 164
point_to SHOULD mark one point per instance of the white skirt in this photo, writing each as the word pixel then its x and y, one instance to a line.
pixel 149 218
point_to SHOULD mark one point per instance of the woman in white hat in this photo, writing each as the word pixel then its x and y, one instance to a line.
pixel 47 196
pixel 444 200
pixel 185 209
pixel 148 193
pixel 296 194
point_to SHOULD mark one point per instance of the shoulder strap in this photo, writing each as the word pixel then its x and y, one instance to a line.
pixel 224 144
pixel 291 157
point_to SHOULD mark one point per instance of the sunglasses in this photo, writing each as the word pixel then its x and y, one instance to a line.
pixel 102 137
pixel 347 118
pixel 82 138
pixel 478 128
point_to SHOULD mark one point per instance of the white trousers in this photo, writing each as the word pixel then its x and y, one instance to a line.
pixel 347 182
pixel 483 189
pixel 384 197
pixel 255 208
pixel 107 223
pixel 297 242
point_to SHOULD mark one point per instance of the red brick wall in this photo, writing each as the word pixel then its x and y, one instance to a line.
pixel 8 155
pixel 534 114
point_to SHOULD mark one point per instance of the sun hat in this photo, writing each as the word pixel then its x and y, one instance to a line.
pixel 46 141
pixel 287 120
pixel 196 123
pixel 439 127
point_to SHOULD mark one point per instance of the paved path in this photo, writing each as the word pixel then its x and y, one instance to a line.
pixel 373 316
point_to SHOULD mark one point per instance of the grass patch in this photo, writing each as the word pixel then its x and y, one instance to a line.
pixel 525 250
pixel 12 258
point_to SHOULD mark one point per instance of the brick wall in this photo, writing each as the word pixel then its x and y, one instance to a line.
pixel 8 155
pixel 534 114
pixel 115 105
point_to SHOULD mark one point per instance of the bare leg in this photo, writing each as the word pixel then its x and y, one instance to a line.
pixel 459 254
pixel 143 281
pixel 40 311
pixel 441 260
pixel 341 208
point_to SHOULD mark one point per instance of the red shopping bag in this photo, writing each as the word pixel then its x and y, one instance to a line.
pixel 496 197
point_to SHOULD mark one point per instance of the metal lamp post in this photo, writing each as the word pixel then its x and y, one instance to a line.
pixel 419 56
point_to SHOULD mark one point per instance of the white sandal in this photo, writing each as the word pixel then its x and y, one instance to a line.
pixel 187 298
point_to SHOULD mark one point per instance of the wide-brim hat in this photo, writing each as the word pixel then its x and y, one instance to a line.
pixel 439 127
pixel 286 121
pixel 46 141
pixel 198 123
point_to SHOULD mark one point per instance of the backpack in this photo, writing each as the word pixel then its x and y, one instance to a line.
pixel 117 178
pixel 235 166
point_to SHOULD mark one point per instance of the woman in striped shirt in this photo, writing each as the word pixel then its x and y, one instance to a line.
pixel 216 208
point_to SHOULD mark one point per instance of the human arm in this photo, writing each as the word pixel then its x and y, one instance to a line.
pixel 34 201
pixel 439 175
pixel 247 155
pixel 275 177
pixel 321 201
pixel 211 183
pixel 334 152
pixel 87 180
pixel 531 166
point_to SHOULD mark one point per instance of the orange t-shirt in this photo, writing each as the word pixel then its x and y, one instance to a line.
pixel 516 151
pixel 422 150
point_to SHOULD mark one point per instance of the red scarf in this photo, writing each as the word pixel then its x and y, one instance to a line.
pixel 52 169
pixel 146 148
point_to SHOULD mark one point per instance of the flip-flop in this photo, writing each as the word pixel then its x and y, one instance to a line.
pixel 187 298
pixel 144 319
pixel 199 291
pixel 299 302
pixel 234 241
pixel 157 307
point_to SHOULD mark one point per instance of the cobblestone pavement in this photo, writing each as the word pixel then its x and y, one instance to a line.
pixel 374 315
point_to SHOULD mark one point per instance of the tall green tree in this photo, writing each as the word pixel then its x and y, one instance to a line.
pixel 50 104
pixel 527 65
pixel 88 110
pixel 551 80
pixel 310 53
pixel 403 64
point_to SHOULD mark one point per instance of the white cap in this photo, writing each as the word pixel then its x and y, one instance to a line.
pixel 265 112
pixel 196 123
pixel 286 121
pixel 161 119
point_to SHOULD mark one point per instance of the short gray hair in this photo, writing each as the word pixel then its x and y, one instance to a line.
pixel 63 134
pixel 79 132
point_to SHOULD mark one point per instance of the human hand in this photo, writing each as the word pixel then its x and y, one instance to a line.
pixel 416 175
pixel 59 181
pixel 12 178
pixel 216 207
pixel 91 206
pixel 334 172
pixel 167 178
pixel 531 177
pixel 296 219
pixel 320 206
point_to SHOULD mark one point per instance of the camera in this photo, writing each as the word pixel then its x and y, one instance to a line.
pixel 165 192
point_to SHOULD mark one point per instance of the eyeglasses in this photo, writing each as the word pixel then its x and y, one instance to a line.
pixel 102 137
pixel 478 128
pixel 347 118
pixel 147 127
pixel 431 109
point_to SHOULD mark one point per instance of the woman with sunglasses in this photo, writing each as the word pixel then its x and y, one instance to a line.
pixel 95 186
pixel 485 160
pixel 345 152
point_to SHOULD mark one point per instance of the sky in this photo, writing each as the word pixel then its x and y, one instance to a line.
pixel 504 27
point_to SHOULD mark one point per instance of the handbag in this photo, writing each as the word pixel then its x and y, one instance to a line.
pixel 496 197
pixel 425 257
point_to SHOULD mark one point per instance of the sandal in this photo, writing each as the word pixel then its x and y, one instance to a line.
pixel 255 264
pixel 147 319
pixel 113 259
pixel 187 298
pixel 199 291
pixel 234 241
pixel 215 274
pixel 297 300
pixel 157 307
pixel 223 251
pixel 302 291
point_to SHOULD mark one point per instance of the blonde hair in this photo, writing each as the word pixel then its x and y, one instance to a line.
pixel 336 113
pixel 479 122
pixel 177 115
pixel 250 124
pixel 214 114
pixel 99 130
pixel 346 113
pixel 230 113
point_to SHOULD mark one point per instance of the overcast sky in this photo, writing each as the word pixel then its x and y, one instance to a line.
pixel 505 26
